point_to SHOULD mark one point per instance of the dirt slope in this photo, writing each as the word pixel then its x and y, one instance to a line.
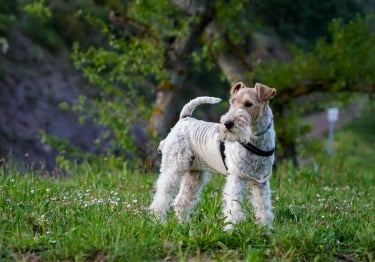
pixel 33 82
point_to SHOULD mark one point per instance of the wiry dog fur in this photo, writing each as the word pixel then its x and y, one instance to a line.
pixel 192 148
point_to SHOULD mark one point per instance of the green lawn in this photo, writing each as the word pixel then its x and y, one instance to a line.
pixel 323 212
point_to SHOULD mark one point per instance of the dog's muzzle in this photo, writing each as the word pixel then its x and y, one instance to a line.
pixel 229 124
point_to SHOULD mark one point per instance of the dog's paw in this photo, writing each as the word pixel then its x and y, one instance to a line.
pixel 157 216
pixel 265 220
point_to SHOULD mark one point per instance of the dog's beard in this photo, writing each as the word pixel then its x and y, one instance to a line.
pixel 240 130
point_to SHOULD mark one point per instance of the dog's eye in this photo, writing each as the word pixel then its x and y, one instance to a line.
pixel 248 104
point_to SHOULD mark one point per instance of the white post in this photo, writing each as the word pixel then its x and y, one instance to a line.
pixel 332 117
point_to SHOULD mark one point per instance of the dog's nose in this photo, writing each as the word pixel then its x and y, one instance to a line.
pixel 229 124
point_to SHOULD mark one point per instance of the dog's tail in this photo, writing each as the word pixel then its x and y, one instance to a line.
pixel 189 108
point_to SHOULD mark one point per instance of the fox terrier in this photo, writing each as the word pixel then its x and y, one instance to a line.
pixel 241 147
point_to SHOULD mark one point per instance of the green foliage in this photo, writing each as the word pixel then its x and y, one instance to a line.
pixel 122 62
pixel 6 23
pixel 53 24
pixel 123 71
pixel 125 67
pixel 8 10
pixel 302 21
pixel 343 61
pixel 322 212
pixel 234 21
pixel 162 19
pixel 35 21
pixel 67 21
pixel 38 10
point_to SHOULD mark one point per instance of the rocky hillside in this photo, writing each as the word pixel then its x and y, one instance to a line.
pixel 33 83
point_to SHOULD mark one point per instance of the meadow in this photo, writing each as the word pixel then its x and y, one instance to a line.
pixel 324 211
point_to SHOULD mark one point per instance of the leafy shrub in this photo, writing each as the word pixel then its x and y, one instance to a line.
pixel 341 64
pixel 302 21
pixel 6 23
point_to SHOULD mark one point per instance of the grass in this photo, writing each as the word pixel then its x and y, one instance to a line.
pixel 323 212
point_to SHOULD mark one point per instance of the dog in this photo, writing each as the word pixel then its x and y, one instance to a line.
pixel 241 147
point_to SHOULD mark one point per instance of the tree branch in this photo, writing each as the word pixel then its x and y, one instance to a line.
pixel 229 60
pixel 130 26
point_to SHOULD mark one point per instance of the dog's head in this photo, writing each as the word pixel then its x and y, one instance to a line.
pixel 247 108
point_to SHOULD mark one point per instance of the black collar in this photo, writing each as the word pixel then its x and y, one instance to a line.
pixel 257 151
pixel 253 149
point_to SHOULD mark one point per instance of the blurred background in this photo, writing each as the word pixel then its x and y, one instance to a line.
pixel 104 80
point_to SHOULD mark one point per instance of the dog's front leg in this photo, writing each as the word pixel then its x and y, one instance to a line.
pixel 232 201
pixel 261 200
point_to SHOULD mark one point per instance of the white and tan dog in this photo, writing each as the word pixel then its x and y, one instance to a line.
pixel 241 147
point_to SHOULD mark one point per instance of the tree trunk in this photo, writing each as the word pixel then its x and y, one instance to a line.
pixel 165 109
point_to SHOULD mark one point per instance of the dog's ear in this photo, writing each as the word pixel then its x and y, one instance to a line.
pixel 237 86
pixel 265 93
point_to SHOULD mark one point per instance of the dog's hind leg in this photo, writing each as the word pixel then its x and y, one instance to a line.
pixel 190 188
pixel 166 187
pixel 261 200
pixel 175 162
pixel 232 198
